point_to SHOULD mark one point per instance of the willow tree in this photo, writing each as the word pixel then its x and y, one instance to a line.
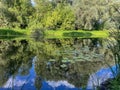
pixel 94 14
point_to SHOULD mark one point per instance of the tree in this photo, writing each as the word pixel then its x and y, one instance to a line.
pixel 94 14
pixel 55 14
pixel 60 14
pixel 116 14
pixel 62 17
pixel 5 16
pixel 42 7
pixel 17 12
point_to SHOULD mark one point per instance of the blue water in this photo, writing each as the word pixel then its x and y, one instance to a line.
pixel 27 82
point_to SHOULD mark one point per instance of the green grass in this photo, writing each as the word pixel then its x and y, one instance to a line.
pixel 11 33
pixel 78 34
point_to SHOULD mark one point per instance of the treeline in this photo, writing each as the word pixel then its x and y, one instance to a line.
pixel 60 14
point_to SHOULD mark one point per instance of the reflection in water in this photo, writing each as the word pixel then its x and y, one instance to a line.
pixel 100 76
pixel 20 82
pixel 13 55
pixel 59 64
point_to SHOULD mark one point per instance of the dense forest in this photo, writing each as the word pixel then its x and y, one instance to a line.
pixel 60 14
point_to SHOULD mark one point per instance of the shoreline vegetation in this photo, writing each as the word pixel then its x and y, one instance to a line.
pixel 13 32
pixel 76 34
pixel 56 33
pixel 63 19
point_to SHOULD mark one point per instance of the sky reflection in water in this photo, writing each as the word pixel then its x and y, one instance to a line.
pixel 27 82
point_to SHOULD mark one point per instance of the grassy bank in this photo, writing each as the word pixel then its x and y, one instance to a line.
pixel 13 32
pixel 74 33
pixel 9 34
pixel 56 34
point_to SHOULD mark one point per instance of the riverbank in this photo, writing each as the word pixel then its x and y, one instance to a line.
pixel 13 32
pixel 76 33
pixel 57 34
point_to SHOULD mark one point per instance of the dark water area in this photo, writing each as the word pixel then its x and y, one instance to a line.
pixel 54 64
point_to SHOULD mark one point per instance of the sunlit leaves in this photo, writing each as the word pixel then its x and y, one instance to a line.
pixel 61 17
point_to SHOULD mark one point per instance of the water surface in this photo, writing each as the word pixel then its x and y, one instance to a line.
pixel 54 64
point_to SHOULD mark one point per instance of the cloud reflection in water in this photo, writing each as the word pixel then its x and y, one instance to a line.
pixel 27 82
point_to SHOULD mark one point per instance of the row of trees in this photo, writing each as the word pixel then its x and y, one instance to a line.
pixel 60 14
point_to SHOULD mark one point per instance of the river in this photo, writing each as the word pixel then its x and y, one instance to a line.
pixel 54 64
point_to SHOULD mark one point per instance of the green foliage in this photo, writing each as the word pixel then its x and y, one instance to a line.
pixel 16 13
pixel 60 14
pixel 61 17
pixel 62 59
pixel 94 14
pixel 4 16
pixel 114 84
pixel 41 8
pixel 14 56
pixel 58 59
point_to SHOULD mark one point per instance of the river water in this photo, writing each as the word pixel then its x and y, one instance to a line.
pixel 54 64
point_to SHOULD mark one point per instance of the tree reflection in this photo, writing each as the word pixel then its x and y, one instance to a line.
pixel 72 60
pixel 61 60
pixel 14 56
